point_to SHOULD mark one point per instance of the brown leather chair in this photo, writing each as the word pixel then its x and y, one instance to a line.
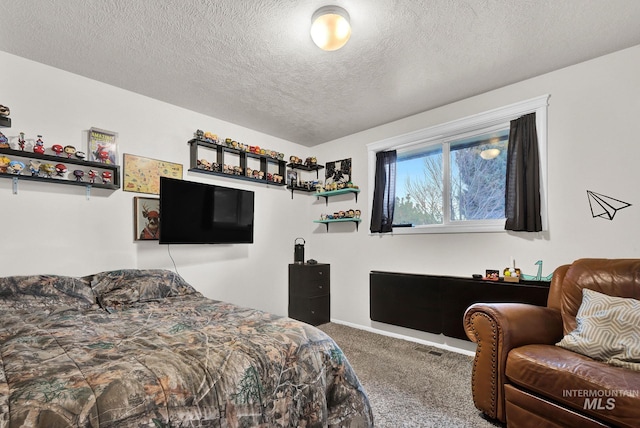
pixel 522 378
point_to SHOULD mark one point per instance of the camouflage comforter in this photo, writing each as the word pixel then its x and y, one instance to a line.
pixel 135 348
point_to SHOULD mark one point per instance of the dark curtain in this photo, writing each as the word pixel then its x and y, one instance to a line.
pixel 522 196
pixel 384 192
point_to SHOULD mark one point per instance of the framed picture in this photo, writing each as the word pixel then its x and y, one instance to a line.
pixel 146 219
pixel 338 171
pixel 142 174
pixel 103 146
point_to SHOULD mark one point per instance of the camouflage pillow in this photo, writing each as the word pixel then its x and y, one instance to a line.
pixel 128 286
pixel 51 290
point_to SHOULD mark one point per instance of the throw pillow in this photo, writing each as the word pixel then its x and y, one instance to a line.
pixel 608 329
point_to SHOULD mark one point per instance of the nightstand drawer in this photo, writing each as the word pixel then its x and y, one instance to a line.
pixel 309 280
pixel 312 310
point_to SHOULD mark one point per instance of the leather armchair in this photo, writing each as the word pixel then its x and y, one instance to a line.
pixel 516 343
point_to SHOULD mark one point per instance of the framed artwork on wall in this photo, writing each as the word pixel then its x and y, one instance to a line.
pixel 146 218
pixel 103 146
pixel 142 175
pixel 338 171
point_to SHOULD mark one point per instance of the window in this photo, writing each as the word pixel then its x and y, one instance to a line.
pixel 451 178
pixel 462 179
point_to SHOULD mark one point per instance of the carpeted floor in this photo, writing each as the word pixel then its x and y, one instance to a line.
pixel 409 384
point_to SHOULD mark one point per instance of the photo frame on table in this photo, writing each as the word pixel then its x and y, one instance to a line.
pixel 142 175
pixel 146 219
pixel 102 146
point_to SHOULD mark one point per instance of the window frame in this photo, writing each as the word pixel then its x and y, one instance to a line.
pixel 444 133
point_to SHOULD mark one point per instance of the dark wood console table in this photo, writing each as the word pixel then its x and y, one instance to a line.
pixel 436 304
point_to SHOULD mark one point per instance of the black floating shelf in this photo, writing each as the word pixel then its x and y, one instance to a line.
pixel 236 177
pixel 5 122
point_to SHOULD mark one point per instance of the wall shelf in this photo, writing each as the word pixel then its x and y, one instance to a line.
pixel 326 195
pixel 302 167
pixel 68 178
pixel 5 122
pixel 243 158
pixel 339 220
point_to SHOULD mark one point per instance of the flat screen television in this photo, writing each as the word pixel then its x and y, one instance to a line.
pixel 198 213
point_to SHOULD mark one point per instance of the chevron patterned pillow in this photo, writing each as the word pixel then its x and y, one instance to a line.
pixel 608 330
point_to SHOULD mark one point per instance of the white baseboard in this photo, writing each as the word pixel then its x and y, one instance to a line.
pixel 452 344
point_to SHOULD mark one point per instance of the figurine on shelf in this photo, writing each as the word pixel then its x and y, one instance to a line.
pixel 21 141
pixel 81 155
pixel 4 163
pixel 47 169
pixel 69 150
pixel 16 167
pixel 311 161
pixel 358 213
pixel 38 147
pixel 4 111
pixel 92 175
pixel 208 136
pixel 204 164
pixel 34 167
pixel 78 174
pixel 199 134
pixel 57 149
pixel 106 177
pixel 4 141
pixel 61 169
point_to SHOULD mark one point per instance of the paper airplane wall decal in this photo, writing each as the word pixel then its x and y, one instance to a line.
pixel 605 206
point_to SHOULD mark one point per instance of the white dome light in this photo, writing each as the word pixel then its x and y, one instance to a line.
pixel 330 28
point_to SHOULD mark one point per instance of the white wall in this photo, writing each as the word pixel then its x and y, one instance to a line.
pixel 593 144
pixel 51 228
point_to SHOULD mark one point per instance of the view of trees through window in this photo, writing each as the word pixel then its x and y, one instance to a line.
pixel 473 188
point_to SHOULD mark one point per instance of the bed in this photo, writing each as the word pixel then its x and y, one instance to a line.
pixel 132 348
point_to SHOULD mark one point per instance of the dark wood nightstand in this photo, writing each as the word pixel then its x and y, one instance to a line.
pixel 310 293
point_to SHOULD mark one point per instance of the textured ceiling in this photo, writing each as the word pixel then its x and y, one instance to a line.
pixel 252 62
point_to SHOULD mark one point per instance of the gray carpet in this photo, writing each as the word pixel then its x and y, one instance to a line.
pixel 409 384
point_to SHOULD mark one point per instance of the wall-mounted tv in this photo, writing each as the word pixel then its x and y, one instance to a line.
pixel 198 213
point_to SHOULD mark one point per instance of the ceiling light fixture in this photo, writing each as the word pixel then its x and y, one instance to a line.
pixel 330 28
pixel 489 154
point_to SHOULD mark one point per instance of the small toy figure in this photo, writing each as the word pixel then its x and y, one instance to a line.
pixel 47 169
pixel 57 149
pixel 39 146
pixel 152 229
pixel 34 167
pixel 199 134
pixel 81 155
pixel 4 141
pixel 78 174
pixel 4 163
pixel 92 175
pixel 21 141
pixel 358 213
pixel 69 150
pixel 60 169
pixel 204 164
pixel 106 177
pixel 16 167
